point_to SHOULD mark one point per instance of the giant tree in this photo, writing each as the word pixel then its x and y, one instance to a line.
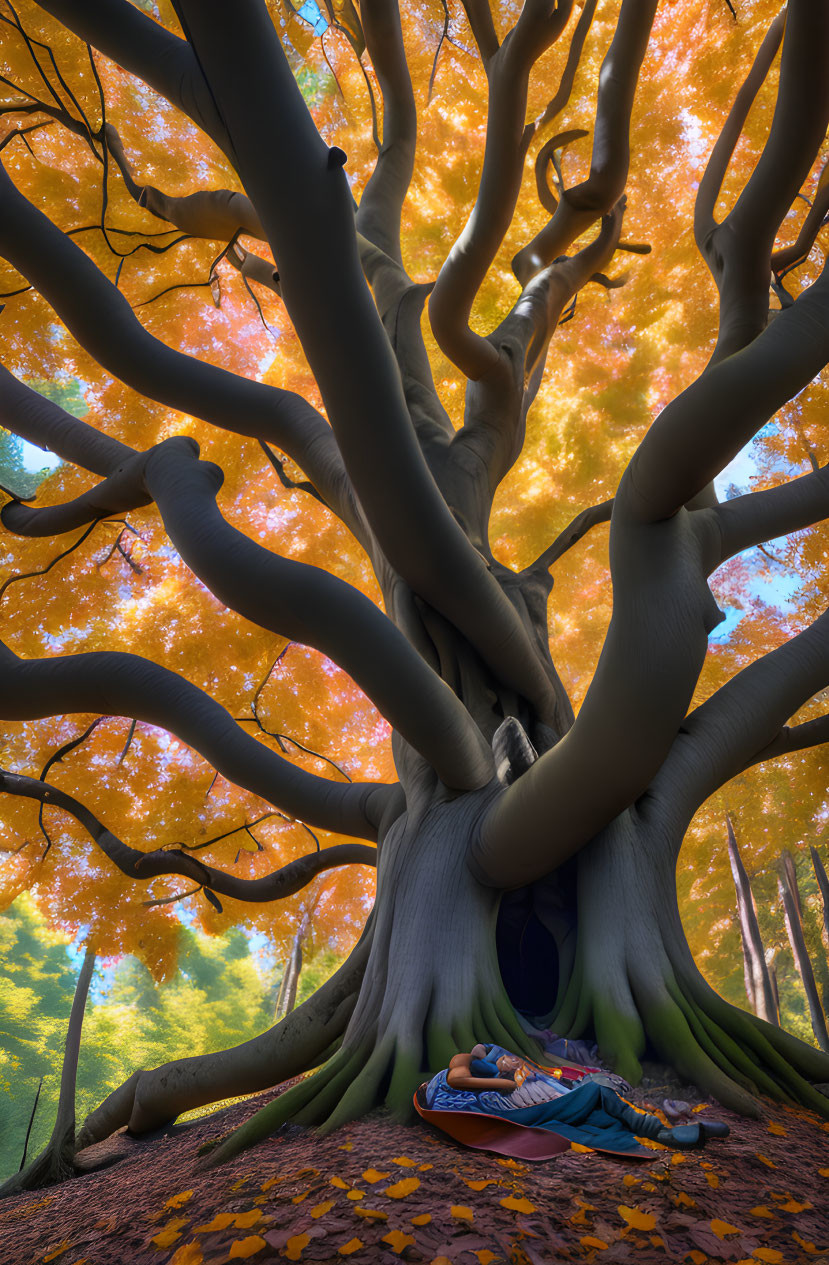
pixel 508 803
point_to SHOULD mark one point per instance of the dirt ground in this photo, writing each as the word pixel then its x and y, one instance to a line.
pixel 379 1191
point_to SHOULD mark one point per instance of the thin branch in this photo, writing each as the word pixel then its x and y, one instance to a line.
pixel 378 215
pixel 572 534
pixel 580 206
pixel 738 251
pixel 279 466
pixel 288 880
pixel 122 757
pixel 28 575
pixel 119 684
pixel 29 1128
pixel 507 141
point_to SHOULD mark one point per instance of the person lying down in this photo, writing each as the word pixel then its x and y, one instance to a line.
pixel 492 1081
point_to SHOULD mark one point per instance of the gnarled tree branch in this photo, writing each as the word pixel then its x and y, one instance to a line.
pixel 284 882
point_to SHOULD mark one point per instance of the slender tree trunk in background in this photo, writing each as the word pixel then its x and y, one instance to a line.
pixel 286 998
pixel 823 887
pixel 54 1163
pixel 761 994
pixel 790 896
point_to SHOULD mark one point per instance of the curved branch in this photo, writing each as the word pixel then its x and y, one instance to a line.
pixel 144 48
pixel 314 244
pixel 284 882
pixel 301 602
pixel 700 431
pixel 102 321
pixel 479 15
pixel 738 251
pixel 378 215
pixel 217 214
pixel 41 422
pixel 759 516
pixel 744 721
pixel 582 205
pixel 568 76
pixel 572 534
pixel 118 684
pixel 507 141
pixel 787 258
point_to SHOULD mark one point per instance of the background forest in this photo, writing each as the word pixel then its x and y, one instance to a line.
pixel 180 974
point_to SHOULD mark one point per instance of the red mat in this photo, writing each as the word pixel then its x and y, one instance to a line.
pixel 507 1137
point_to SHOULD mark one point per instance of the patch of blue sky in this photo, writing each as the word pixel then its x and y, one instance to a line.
pixel 775 587
pixel 309 12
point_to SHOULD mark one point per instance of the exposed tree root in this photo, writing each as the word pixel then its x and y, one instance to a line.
pixel 150 1099
pixel 634 974
pixel 432 986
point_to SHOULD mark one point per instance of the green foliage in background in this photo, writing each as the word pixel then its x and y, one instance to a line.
pixel 219 998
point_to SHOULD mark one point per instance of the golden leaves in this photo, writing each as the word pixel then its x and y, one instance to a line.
pixel 517 1203
pixel 241 1249
pixel 177 1200
pixel 638 1220
pixel 399 1190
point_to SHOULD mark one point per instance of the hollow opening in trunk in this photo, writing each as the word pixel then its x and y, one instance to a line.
pixel 527 954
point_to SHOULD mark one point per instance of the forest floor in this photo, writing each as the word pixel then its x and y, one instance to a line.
pixel 378 1191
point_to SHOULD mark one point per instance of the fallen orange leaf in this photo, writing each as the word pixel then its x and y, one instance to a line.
pixel 485 1257
pixel 629 1180
pixel 243 1248
pixel 794 1206
pixel 321 1209
pixel 346 1146
pixel 723 1228
pixel 769 1254
pixel 423 1219
pixel 777 1129
pixel 400 1189
pixel 698 1258
pixel 356 1194
pixel 684 1201
pixel 177 1200
pixel 764 1159
pixel 804 1243
pixel 187 1254
pixel 353 1245
pixel 517 1204
pixel 170 1233
pixel 294 1246
pixel 639 1220
pixel 590 1241
pixel 713 1180
pixel 405 1162
pixel 824 1172
pixel 270 1182
pixel 461 1213
pixel 246 1219
pixel 220 1222
pixel 397 1240
pixel 339 1183
pixel 421 1168
pixel 373 1175
pixel 761 1211
pixel 373 1214
pixel 481 1185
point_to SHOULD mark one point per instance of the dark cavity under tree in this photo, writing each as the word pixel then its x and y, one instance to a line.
pixel 503 797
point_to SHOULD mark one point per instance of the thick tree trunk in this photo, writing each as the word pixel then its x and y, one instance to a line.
pixel 636 987
pixel 432 985
pixel 758 981
pixel 790 898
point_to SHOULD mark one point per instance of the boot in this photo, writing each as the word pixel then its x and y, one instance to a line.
pixel 682 1137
